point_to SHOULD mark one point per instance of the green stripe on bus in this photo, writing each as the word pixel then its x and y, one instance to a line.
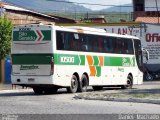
pixel 98 69
pixel 119 61
pixel 82 58
pixel 19 59
pixel 115 61
pixel 68 59
pixel 96 60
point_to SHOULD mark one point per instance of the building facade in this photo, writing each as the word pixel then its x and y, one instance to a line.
pixel 146 11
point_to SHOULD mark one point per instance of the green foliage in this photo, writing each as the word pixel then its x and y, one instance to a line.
pixel 5 37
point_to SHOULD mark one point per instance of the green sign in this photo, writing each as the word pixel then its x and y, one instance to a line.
pixel 32 35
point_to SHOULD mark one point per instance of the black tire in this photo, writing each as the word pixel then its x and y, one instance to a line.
pixel 129 83
pixel 74 85
pixel 96 88
pixel 82 87
pixel 38 90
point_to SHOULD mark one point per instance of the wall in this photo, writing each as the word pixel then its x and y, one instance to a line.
pixel 24 18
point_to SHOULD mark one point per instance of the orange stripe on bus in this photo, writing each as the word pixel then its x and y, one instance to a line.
pixel 89 59
pixel 101 60
pixel 92 70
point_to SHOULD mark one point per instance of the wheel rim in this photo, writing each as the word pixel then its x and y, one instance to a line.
pixel 129 83
pixel 74 83
pixel 149 77
pixel 84 83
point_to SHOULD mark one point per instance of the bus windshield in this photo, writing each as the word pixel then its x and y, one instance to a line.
pixel 138 54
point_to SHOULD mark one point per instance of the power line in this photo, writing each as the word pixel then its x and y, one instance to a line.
pixel 95 4
pixel 89 3
pixel 81 3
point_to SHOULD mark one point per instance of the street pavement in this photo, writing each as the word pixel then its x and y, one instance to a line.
pixel 24 101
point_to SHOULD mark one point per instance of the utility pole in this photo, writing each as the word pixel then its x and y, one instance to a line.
pixel 157 10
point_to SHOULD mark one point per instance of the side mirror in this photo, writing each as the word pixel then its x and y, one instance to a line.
pixel 145 54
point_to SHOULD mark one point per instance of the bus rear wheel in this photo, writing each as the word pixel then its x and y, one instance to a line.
pixel 129 83
pixel 74 85
pixel 95 88
pixel 82 87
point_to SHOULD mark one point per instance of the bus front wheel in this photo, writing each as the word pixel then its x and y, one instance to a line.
pixel 74 85
pixel 129 83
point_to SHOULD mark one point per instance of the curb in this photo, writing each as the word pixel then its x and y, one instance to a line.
pixel 15 90
pixel 134 100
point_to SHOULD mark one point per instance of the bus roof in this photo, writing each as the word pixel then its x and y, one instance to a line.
pixel 96 31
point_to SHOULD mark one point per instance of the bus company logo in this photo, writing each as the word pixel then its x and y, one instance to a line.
pixel 125 62
pixel 29 67
pixel 67 59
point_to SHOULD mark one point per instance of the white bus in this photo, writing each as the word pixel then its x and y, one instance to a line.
pixel 48 57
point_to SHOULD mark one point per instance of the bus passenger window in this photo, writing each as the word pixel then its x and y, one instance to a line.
pixel 100 44
pixel 72 42
pixel 111 41
pixel 95 46
pixel 125 46
pixel 130 47
pixel 60 41
pixel 118 45
pixel 107 45
pixel 84 43
pixel 67 41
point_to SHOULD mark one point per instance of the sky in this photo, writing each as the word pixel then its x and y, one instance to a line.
pixel 103 2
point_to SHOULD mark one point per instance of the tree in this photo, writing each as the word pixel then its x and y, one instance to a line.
pixel 5 38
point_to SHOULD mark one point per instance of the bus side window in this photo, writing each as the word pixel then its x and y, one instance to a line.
pixel 118 46
pixel 124 46
pixel 100 44
pixel 67 41
pixel 72 42
pixel 130 47
pixel 112 42
pixel 94 45
pixel 106 45
pixel 60 40
pixel 84 45
pixel 76 42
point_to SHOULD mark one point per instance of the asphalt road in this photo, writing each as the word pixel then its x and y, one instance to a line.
pixel 26 102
